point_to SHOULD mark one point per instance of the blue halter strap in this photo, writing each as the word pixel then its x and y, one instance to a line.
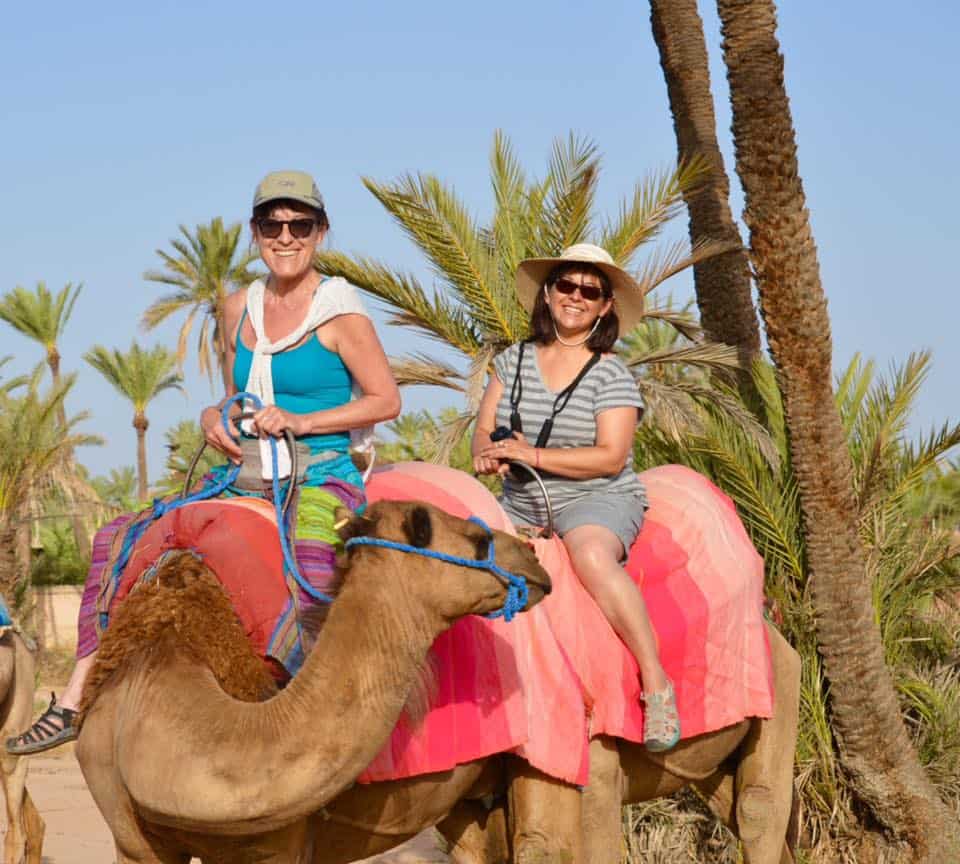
pixel 516 585
pixel 161 508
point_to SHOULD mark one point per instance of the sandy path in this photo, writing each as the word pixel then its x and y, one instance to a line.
pixel 77 834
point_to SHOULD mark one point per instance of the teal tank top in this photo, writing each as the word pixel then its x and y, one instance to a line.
pixel 305 379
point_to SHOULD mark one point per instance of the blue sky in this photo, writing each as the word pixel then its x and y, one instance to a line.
pixel 121 121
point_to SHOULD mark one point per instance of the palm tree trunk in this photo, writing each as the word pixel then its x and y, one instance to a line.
pixel 872 741
pixel 8 560
pixel 722 283
pixel 221 337
pixel 81 534
pixel 140 423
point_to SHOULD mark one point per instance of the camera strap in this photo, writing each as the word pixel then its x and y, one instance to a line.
pixel 559 403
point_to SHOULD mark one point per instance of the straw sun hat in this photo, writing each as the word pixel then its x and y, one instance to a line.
pixel 627 296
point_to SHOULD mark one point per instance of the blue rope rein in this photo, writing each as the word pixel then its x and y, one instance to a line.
pixel 211 490
pixel 517 594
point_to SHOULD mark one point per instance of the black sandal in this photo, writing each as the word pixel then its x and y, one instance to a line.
pixel 53 728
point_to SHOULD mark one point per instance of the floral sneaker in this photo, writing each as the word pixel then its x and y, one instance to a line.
pixel 661 722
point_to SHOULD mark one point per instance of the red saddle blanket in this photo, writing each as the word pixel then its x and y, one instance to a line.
pixel 542 684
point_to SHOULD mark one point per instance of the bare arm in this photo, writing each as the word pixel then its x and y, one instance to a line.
pixel 486 422
pixel 606 458
pixel 354 339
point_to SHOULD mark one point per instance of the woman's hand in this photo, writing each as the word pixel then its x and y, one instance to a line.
pixel 216 436
pixel 274 421
pixel 516 449
pixel 483 465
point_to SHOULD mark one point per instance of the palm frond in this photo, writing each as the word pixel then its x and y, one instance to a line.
pixel 656 200
pixel 571 185
pixel 715 355
pixel 664 263
pixel 436 317
pixel 421 369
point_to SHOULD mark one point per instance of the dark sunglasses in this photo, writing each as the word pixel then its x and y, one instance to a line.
pixel 588 292
pixel 299 228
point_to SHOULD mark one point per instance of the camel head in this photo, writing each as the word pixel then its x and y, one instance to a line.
pixel 451 590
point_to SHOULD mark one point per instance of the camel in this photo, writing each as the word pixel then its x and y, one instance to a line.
pixel 183 746
pixel 25 828
pixel 744 772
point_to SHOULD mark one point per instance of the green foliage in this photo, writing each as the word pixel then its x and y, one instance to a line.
pixel 139 374
pixel 118 489
pixel 34 443
pixel 39 315
pixel 203 267
pixel 58 562
pixel 419 436
pixel 182 443
pixel 474 308
pixel 908 532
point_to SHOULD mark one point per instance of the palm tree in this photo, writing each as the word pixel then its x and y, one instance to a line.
pixel 722 283
pixel 875 749
pixel 42 316
pixel 476 312
pixel 139 375
pixel 203 268
pixel 35 458
pixel 914 571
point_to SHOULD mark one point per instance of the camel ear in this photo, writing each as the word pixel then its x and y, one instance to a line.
pixel 348 524
pixel 418 527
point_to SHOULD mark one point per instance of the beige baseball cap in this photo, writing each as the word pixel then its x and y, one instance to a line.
pixel 291 185
pixel 627 294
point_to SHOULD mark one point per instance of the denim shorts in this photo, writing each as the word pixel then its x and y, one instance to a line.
pixel 617 512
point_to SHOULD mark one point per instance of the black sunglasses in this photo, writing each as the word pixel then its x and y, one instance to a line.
pixel 588 292
pixel 299 228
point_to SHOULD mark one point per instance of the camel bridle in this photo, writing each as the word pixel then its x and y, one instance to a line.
pixel 516 585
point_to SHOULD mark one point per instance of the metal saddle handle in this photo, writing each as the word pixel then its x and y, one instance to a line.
pixel 289 437
pixel 548 528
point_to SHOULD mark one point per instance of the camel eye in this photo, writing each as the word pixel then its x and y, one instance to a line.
pixel 482 547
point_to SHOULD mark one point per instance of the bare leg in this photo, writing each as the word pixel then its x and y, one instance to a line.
pixel 70 698
pixel 48 731
pixel 595 552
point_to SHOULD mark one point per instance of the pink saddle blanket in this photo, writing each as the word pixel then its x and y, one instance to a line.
pixel 543 684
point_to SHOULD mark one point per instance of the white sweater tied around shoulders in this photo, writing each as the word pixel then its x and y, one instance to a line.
pixel 333 297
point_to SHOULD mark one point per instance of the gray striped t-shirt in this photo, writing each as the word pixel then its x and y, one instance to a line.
pixel 608 384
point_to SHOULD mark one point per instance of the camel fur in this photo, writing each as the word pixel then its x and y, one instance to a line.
pixel 179 767
pixel 25 829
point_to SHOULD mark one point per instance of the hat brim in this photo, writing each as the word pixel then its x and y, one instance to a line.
pixel 289 196
pixel 627 296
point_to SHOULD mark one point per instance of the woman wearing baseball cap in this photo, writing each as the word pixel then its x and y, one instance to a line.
pixel 307 348
pixel 563 403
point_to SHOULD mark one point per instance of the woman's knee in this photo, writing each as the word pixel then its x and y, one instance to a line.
pixel 591 556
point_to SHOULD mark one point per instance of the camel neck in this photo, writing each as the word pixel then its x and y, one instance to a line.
pixel 316 736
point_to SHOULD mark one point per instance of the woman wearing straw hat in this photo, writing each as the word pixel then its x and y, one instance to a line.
pixel 563 403
pixel 304 346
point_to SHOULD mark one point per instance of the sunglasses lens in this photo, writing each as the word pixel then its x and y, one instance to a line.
pixel 271 228
pixel 588 292
pixel 301 228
